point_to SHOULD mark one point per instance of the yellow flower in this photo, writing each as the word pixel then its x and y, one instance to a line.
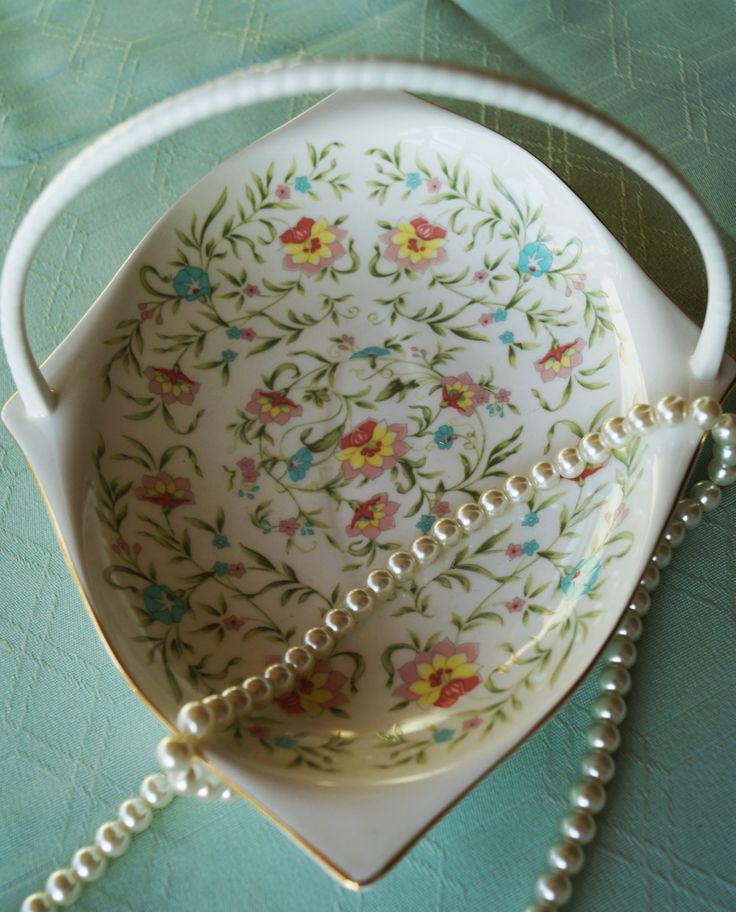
pixel 412 246
pixel 315 246
pixel 439 680
pixel 371 448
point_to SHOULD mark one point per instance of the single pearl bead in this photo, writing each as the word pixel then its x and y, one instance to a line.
pixel 228 796
pixel 662 554
pixel 156 791
pixel 320 641
pixel 187 782
pixel 259 690
pixel 630 625
pixel 381 583
pixel 37 902
pixel 195 719
pixel 609 707
pixel 650 577
pixel 210 790
pixel 640 602
pixel 588 795
pixel 471 516
pixel 578 825
pixel 672 410
pixel 615 679
pixel 89 864
pixel 360 602
pixel 724 430
pixel 598 764
pixel 112 839
pixel 566 855
pixel 239 700
pixel 725 455
pixel 135 815
pixel 540 906
pixel 340 621
pixel 603 736
pixel 544 475
pixel 426 549
pixel 722 475
pixel 689 512
pixel 594 449
pixel 301 659
pixel 448 532
pixel 675 532
pixel 221 709
pixel 554 887
pixel 494 502
pixel 569 463
pixel 174 754
pixel 403 565
pixel 616 433
pixel 708 494
pixel 640 419
pixel 64 887
pixel 519 488
pixel 281 677
pixel 620 651
pixel 705 412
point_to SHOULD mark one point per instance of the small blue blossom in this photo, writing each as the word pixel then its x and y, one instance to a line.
pixel 426 523
pixel 495 409
pixel 445 436
pixel 307 528
pixel 163 604
pixel 413 180
pixel 443 734
pixel 499 315
pixel 301 184
pixel 228 356
pixel 372 351
pixel 191 283
pixel 531 519
pixel 266 526
pixel 221 541
pixel 530 547
pixel 535 259
pixel 299 464
pixel 220 569
pixel 284 741
pixel 232 332
pixel 581 579
pixel 506 337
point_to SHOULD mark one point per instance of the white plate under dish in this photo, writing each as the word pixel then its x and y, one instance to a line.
pixel 345 331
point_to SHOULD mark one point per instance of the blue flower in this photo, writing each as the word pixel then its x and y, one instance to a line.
pixel 581 579
pixel 506 337
pixel 426 523
pixel 163 604
pixel 299 464
pixel 301 184
pixel 530 547
pixel 233 332
pixel 191 283
pixel 228 356
pixel 307 528
pixel 499 315
pixel 372 351
pixel 443 734
pixel 495 409
pixel 445 436
pixel 220 569
pixel 266 526
pixel 221 541
pixel 535 259
pixel 284 741
pixel 413 180
pixel 531 519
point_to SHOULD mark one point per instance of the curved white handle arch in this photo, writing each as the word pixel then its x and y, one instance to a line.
pixel 243 88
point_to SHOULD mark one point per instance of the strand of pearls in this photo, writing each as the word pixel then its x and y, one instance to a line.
pixel 183 773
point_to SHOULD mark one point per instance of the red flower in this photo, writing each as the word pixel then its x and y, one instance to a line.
pixel 415 245
pixel 248 470
pixel 475 722
pixel 372 517
pixel 441 676
pixel 588 471
pixel 171 385
pixel 236 570
pixel 371 448
pixel 259 731
pixel 312 245
pixel 251 291
pixel 271 406
pixel 232 622
pixel 319 691
pixel 248 334
pixel 462 394
pixel 559 361
pixel 165 491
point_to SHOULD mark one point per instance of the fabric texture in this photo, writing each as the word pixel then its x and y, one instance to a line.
pixel 74 740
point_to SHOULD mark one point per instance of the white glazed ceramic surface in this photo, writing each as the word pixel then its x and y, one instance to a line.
pixel 342 333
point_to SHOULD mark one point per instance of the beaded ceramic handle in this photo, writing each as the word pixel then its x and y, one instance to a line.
pixel 247 87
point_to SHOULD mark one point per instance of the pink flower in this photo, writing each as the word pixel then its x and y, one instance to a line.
pixel 236 570
pixel 232 622
pixel 121 543
pixel 372 517
pixel 248 334
pixel 319 691
pixel 440 676
pixel 272 406
pixel 289 526
pixel 345 342
pixel 171 385
pixel 485 319
pixel 248 470
pixel 470 724
pixel 415 245
pixel 462 394
pixel 283 192
pixel 371 448
pixel 559 361
pixel 441 508
pixel 434 185
pixel 259 731
pixel 165 491
pixel 514 551
pixel 251 291
pixel 480 276
pixel 312 245
pixel 516 603
pixel 503 395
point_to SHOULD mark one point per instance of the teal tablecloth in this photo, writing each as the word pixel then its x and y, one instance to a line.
pixel 74 740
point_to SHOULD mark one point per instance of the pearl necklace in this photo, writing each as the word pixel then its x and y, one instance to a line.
pixel 184 774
